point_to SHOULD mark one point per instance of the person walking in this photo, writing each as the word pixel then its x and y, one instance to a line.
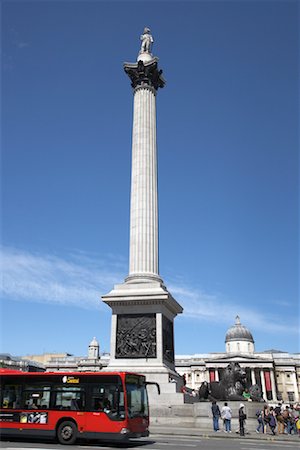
pixel 216 413
pixel 226 414
pixel 293 419
pixel 272 420
pixel 265 417
pixel 260 421
pixel 279 418
pixel 242 418
pixel 287 419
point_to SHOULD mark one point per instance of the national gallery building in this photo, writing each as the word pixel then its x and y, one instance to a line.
pixel 277 373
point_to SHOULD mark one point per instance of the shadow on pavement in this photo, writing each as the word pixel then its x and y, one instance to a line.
pixel 134 443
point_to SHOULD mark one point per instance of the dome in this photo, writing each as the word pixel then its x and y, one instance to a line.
pixel 238 332
pixel 94 343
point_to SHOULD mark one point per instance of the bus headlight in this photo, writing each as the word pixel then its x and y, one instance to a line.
pixel 125 431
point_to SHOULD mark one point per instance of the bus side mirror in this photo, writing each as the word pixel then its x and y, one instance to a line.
pixel 147 383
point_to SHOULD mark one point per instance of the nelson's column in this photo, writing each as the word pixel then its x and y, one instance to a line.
pixel 143 310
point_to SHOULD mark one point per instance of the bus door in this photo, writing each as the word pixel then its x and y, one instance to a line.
pixel 70 400
pixel 107 404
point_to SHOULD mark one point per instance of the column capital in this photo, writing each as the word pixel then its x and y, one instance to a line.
pixel 147 73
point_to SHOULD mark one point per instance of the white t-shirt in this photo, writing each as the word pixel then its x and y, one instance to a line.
pixel 226 412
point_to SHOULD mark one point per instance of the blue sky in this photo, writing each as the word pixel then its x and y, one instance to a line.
pixel 228 130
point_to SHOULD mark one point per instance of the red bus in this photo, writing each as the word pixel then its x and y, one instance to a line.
pixel 71 405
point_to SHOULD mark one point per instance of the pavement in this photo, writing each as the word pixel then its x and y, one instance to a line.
pixel 201 432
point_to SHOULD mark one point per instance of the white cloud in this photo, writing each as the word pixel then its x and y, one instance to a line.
pixel 215 308
pixel 80 279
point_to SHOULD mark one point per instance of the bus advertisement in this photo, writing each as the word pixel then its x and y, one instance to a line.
pixel 72 405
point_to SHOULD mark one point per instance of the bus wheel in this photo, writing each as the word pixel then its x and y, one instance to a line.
pixel 67 433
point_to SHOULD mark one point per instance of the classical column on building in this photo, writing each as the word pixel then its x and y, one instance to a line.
pixel 295 385
pixel 207 377
pixel 253 379
pixel 216 375
pixel 273 385
pixel 263 384
pixel 204 375
pixel 193 383
pixel 143 310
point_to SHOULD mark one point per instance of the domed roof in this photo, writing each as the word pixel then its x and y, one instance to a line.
pixel 94 343
pixel 238 332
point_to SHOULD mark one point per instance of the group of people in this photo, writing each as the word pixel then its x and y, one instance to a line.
pixel 281 419
pixel 226 415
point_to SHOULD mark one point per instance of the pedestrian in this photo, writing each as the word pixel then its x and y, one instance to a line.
pixel 242 418
pixel 226 414
pixel 287 420
pixel 216 413
pixel 279 418
pixel 260 421
pixel 293 419
pixel 265 417
pixel 298 426
pixel 272 420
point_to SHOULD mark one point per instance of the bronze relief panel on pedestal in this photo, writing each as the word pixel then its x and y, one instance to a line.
pixel 168 340
pixel 136 336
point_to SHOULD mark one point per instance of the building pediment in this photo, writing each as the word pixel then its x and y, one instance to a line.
pixel 236 358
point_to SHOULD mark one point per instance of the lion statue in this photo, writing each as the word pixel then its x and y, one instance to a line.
pixel 231 386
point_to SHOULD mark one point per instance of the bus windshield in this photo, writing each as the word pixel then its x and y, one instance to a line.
pixel 137 399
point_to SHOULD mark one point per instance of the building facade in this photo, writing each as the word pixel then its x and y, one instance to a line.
pixel 8 361
pixel 65 362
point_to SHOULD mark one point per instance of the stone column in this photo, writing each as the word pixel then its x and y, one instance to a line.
pixel 142 307
pixel 253 379
pixel 283 385
pixel 216 375
pixel 263 384
pixel 273 384
pixel 294 377
pixel 143 253
pixel 207 377
pixel 143 247
pixel 193 377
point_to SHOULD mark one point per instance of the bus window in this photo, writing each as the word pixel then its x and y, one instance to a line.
pixel 108 398
pixel 36 397
pixel 11 397
pixel 137 401
pixel 69 398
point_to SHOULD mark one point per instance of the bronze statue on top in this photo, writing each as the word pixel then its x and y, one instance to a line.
pixel 147 41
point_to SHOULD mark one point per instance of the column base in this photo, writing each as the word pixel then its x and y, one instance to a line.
pixel 144 278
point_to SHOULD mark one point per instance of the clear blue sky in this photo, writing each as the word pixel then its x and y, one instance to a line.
pixel 228 129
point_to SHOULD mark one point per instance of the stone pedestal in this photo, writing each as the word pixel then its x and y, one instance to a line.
pixel 198 415
pixel 142 335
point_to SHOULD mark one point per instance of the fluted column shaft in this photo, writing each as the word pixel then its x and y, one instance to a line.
pixel 143 251
pixel 263 385
pixel 273 384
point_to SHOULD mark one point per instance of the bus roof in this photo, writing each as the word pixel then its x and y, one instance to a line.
pixel 4 371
